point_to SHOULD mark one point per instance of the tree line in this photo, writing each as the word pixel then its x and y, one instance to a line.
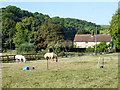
pixel 21 27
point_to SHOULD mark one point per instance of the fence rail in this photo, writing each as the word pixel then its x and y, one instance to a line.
pixel 27 56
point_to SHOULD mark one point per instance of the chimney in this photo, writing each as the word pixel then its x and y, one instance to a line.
pixel 92 33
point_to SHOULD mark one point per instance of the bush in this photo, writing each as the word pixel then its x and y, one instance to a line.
pixel 61 54
pixel 89 49
pixel 112 50
pixel 43 51
pixel 79 54
pixel 102 47
pixel 26 48
pixel 57 50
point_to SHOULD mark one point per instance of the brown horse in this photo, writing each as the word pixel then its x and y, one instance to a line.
pixel 50 55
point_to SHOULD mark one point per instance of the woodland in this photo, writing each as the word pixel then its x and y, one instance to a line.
pixel 21 27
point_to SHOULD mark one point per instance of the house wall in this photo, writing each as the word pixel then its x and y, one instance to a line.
pixel 86 44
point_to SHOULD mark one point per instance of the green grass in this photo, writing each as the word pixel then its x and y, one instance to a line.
pixel 71 72
pixel 79 62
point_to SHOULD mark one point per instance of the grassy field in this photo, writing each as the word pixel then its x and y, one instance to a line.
pixel 70 72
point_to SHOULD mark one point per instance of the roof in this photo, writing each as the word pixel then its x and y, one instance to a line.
pixel 89 38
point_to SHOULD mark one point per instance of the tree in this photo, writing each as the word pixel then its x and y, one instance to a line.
pixel 67 45
pixel 57 47
pixel 83 31
pixel 51 45
pixel 10 16
pixel 48 32
pixel 20 26
pixel 8 30
pixel 102 47
pixel 26 31
pixel 114 29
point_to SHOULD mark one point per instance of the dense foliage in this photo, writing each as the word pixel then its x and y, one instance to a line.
pixel 47 33
pixel 20 26
pixel 102 47
pixel 114 29
pixel 26 48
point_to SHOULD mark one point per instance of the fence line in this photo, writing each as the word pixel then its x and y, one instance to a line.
pixel 27 56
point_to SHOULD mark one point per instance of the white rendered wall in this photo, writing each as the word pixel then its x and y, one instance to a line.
pixel 86 44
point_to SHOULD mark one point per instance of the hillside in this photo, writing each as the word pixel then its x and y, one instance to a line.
pixel 104 26
pixel 20 26
pixel 105 29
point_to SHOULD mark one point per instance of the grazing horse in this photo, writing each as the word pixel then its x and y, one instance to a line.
pixel 20 57
pixel 50 55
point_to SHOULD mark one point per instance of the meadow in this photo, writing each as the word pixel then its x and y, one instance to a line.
pixel 68 72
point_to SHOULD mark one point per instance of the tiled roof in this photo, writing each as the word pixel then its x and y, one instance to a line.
pixel 89 38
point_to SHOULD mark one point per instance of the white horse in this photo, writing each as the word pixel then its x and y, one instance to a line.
pixel 50 55
pixel 20 57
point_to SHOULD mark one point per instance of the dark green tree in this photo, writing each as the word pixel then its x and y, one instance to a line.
pixel 114 29
pixel 49 32
pixel 26 31
pixel 20 26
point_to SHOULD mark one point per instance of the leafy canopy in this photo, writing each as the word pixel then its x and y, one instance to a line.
pixel 114 29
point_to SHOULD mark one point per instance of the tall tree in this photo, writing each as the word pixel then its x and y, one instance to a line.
pixel 26 31
pixel 49 32
pixel 114 29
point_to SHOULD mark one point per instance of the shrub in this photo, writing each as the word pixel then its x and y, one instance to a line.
pixel 26 48
pixel 43 51
pixel 61 54
pixel 102 47
pixel 89 49
pixel 112 50
pixel 57 50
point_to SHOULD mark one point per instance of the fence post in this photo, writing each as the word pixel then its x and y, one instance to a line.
pixel 30 57
pixel 98 62
pixel 7 57
pixel 47 63
pixel 14 57
pixel 103 61
pixel 2 58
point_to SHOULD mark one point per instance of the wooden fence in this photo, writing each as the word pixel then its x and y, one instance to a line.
pixel 27 56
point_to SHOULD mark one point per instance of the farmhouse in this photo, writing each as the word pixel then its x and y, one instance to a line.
pixel 86 40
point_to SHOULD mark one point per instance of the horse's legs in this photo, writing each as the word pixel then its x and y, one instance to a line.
pixel 20 60
pixel 24 60
pixel 56 59
pixel 51 59
pixel 16 60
